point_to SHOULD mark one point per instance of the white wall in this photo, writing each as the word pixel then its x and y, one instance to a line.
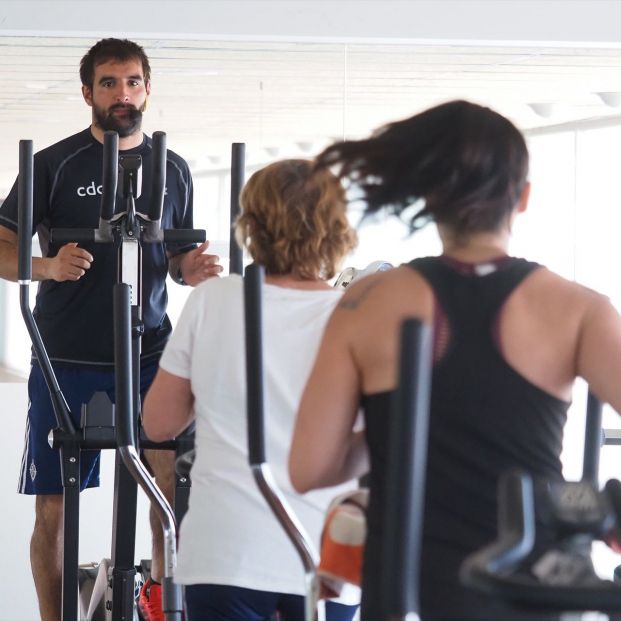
pixel 543 21
pixel 16 590
pixel 17 594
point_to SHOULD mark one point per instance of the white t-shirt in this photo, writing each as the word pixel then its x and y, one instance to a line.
pixel 229 535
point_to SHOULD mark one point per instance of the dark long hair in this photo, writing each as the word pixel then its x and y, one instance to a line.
pixel 462 164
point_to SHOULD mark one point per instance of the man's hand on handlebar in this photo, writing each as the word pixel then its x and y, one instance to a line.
pixel 197 266
pixel 70 263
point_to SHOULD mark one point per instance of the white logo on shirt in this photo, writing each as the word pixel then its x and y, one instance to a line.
pixel 93 190
pixel 89 190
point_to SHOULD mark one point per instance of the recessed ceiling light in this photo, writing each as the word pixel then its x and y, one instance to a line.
pixel 544 109
pixel 612 99
pixel 304 145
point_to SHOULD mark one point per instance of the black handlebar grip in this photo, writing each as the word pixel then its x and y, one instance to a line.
pixel 123 365
pixel 516 514
pixel 110 176
pixel 158 176
pixel 593 440
pixel 64 236
pixel 613 491
pixel 238 163
pixel 184 236
pixel 24 215
pixel 253 321
pixel 406 473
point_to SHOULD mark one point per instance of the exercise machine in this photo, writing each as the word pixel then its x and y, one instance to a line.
pixel 102 424
pixel 295 531
pixel 560 578
pixel 406 468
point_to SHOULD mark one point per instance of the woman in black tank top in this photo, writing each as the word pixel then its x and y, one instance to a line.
pixel 509 339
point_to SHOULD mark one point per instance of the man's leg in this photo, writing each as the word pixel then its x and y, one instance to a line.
pixel 162 464
pixel 40 475
pixel 46 555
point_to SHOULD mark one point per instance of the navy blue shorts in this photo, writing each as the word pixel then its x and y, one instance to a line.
pixel 215 602
pixel 40 469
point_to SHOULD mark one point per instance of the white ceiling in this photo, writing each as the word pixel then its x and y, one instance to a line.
pixel 287 95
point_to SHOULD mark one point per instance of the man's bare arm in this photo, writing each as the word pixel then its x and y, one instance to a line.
pixel 194 266
pixel 70 263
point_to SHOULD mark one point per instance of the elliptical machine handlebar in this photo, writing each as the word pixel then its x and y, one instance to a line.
pixel 124 391
pixel 180 236
pixel 238 161
pixel 172 598
pixel 24 276
pixel 24 215
pixel 253 313
pixel 158 176
pixel 561 577
pixel 593 439
pixel 294 530
pixel 63 236
pixel 150 230
pixel 110 177
pixel 406 470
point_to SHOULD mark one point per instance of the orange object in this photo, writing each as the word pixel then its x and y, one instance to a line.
pixel 342 542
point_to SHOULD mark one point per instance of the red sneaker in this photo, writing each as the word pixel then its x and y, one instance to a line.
pixel 150 601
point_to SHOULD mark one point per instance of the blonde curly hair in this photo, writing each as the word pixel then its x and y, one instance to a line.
pixel 293 220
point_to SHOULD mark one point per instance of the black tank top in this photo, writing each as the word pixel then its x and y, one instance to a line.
pixel 485 418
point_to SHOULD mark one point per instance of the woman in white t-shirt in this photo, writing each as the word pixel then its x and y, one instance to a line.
pixel 234 558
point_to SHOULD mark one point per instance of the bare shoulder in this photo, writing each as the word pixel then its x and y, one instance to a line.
pixel 371 310
pixel 554 307
pixel 553 289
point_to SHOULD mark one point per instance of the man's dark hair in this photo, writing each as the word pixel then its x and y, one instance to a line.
pixel 112 49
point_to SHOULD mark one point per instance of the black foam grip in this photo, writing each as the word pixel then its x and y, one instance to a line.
pixel 516 518
pixel 592 440
pixel 613 491
pixel 238 164
pixel 24 214
pixel 253 322
pixel 123 365
pixel 184 236
pixel 158 176
pixel 110 174
pixel 406 471
pixel 65 236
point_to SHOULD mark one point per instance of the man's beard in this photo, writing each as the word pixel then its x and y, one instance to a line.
pixel 124 125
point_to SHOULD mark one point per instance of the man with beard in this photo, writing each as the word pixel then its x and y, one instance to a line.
pixel 74 302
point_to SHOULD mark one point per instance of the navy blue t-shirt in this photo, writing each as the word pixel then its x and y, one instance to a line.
pixel 75 318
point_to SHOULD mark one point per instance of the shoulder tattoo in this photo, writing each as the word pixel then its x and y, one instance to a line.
pixel 355 300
